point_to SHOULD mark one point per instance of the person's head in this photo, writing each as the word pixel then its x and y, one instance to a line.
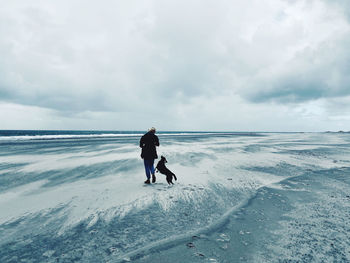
pixel 153 130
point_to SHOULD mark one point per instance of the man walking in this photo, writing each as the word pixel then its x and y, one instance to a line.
pixel 148 143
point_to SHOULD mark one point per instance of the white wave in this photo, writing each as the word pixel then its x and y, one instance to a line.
pixel 64 136
pixel 102 135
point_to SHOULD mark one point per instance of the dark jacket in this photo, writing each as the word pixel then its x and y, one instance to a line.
pixel 148 143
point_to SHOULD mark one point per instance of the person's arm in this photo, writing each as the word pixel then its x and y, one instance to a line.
pixel 141 142
pixel 156 143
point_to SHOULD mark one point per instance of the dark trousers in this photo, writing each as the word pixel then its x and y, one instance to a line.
pixel 149 167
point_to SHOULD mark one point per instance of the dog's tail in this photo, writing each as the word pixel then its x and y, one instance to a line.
pixel 175 177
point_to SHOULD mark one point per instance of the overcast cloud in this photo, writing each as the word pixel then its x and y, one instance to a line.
pixel 272 65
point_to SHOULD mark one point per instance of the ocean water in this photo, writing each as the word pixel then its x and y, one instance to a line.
pixel 72 196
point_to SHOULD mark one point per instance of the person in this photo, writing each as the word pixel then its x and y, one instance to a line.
pixel 148 143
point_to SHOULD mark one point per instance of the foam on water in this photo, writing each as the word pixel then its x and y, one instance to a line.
pixel 97 135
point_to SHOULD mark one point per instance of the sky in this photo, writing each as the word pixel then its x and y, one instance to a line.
pixel 194 65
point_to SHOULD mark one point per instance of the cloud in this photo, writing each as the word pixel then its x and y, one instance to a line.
pixel 314 65
pixel 68 58
pixel 314 73
pixel 129 63
pixel 342 5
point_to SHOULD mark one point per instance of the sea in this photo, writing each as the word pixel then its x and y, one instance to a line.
pixel 79 196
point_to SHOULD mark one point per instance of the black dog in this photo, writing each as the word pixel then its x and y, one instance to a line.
pixel 163 170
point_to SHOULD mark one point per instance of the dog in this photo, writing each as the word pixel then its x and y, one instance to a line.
pixel 163 170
